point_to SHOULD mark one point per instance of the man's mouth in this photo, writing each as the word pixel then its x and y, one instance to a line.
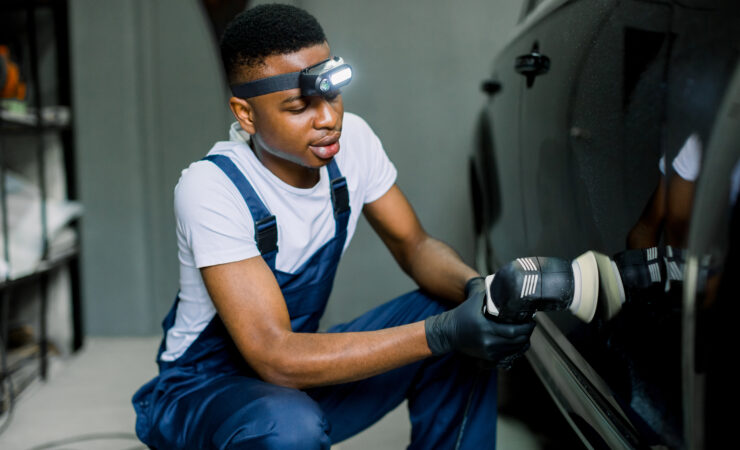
pixel 326 147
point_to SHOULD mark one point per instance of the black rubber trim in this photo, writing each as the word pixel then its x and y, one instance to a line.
pixel 623 427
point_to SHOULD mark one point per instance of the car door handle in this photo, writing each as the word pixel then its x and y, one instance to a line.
pixel 490 86
pixel 532 65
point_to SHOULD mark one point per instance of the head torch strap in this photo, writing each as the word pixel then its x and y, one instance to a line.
pixel 266 85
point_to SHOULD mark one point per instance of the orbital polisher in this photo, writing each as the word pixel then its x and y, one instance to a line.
pixel 527 285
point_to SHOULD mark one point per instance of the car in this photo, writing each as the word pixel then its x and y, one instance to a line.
pixel 612 125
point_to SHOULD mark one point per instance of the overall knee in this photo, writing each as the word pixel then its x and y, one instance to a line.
pixel 300 430
pixel 291 422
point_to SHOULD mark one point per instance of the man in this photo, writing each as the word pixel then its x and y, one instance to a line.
pixel 241 364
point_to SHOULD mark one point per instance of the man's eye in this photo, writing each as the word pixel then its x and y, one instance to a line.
pixel 297 109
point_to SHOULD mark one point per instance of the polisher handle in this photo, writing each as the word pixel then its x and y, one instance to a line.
pixel 527 285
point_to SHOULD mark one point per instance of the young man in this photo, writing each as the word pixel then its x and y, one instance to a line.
pixel 241 364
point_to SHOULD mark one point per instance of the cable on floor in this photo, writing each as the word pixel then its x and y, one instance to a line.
pixel 57 445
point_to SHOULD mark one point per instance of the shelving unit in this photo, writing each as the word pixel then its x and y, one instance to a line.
pixel 31 132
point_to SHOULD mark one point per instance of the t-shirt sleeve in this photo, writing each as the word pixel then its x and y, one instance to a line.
pixel 378 168
pixel 687 163
pixel 213 221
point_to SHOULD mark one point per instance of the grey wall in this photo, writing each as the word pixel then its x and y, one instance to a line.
pixel 418 65
pixel 149 99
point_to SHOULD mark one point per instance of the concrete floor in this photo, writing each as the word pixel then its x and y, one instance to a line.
pixel 85 404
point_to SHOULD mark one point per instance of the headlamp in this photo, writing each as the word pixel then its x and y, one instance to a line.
pixel 324 79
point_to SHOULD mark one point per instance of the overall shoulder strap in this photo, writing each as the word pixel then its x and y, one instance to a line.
pixel 265 224
pixel 339 196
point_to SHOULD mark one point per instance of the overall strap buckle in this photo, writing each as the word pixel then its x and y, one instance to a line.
pixel 266 234
pixel 339 196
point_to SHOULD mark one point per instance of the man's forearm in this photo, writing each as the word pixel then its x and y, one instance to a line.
pixel 307 359
pixel 438 269
pixel 248 300
pixel 303 360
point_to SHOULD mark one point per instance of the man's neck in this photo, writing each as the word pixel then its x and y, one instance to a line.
pixel 290 172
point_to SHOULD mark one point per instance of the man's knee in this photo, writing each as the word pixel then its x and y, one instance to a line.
pixel 292 421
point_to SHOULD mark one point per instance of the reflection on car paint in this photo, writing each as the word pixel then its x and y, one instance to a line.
pixel 575 164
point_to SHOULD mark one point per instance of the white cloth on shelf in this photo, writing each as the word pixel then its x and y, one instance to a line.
pixel 25 231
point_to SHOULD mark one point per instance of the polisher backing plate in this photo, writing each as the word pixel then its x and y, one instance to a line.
pixel 611 291
pixel 586 280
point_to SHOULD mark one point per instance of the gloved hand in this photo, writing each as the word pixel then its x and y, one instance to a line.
pixel 467 330
pixel 474 285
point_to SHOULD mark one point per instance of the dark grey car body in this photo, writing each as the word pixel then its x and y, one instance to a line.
pixel 583 102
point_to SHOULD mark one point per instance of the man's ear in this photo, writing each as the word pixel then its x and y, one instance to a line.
pixel 244 113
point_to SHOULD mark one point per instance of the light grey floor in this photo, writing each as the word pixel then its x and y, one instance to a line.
pixel 85 404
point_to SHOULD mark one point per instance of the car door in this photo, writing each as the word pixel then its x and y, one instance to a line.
pixel 496 165
pixel 592 109
pixel 582 177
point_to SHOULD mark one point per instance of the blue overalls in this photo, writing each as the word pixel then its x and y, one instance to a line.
pixel 209 398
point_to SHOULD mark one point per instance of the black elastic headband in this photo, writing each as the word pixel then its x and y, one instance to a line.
pixel 325 78
pixel 267 85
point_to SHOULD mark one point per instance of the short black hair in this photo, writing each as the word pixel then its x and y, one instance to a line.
pixel 266 30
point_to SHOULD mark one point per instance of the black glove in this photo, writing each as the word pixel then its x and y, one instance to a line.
pixel 475 285
pixel 467 330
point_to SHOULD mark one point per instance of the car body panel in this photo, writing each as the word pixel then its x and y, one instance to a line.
pixel 501 191
pixel 708 374
pixel 567 161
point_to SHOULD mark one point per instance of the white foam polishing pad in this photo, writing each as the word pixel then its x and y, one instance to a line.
pixel 586 284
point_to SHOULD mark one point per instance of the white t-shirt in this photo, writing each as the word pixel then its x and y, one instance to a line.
pixel 214 225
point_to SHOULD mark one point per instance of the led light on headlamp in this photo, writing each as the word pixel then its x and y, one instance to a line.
pixel 325 78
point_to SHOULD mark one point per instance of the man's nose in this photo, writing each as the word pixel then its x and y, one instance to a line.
pixel 326 114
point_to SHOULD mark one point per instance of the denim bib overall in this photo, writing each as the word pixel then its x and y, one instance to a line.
pixel 210 398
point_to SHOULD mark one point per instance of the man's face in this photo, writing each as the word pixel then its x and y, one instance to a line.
pixel 290 129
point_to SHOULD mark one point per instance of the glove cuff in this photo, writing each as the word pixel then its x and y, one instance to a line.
pixel 474 284
pixel 436 339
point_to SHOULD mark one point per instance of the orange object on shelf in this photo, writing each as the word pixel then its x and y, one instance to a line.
pixel 11 86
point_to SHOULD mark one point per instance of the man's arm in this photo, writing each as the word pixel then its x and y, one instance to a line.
pixel 434 266
pixel 249 302
pixel 252 307
pixel 646 232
